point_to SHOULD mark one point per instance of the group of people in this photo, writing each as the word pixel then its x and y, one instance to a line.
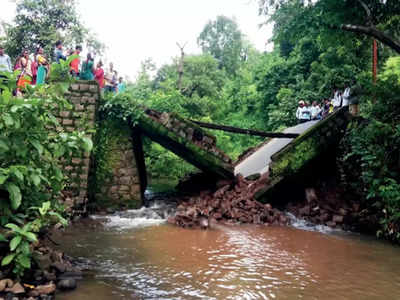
pixel 318 111
pixel 34 70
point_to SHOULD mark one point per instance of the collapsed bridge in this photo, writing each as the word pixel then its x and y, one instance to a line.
pixel 115 174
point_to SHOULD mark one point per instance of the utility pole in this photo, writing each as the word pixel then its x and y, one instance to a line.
pixel 374 60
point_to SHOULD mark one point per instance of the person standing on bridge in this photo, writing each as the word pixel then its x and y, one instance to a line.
pixel 58 52
pixel 121 85
pixel 5 66
pixel 42 67
pixel 337 99
pixel 109 78
pixel 87 68
pixel 5 61
pixel 74 65
pixel 303 114
pixel 99 74
pixel 346 95
pixel 315 111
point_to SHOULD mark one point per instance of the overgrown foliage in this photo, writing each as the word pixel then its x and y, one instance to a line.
pixel 30 174
pixel 370 152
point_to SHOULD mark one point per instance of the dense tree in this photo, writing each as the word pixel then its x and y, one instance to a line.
pixel 43 22
pixel 224 41
pixel 375 18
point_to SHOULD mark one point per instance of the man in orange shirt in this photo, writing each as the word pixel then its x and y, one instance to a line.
pixel 74 65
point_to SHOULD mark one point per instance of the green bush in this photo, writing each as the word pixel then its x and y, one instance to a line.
pixel 370 159
pixel 30 174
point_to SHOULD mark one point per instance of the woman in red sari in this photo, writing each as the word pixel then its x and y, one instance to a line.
pixel 99 74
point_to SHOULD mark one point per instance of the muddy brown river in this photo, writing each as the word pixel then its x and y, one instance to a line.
pixel 143 258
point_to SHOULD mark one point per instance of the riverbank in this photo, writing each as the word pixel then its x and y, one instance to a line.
pixel 51 271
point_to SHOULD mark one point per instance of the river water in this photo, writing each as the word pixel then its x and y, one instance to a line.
pixel 136 255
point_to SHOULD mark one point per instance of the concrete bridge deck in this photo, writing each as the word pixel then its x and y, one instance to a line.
pixel 258 161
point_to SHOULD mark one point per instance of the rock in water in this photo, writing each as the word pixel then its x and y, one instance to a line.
pixel 204 224
pixel 311 195
pixel 66 284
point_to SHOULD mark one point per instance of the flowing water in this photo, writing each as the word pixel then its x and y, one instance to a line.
pixel 135 255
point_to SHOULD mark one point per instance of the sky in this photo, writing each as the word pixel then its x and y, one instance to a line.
pixel 135 30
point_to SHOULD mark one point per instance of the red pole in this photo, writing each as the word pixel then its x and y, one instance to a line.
pixel 374 60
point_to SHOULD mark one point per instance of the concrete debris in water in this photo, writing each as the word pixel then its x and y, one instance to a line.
pixel 233 202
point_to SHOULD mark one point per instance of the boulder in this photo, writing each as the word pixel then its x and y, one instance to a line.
pixel 5 283
pixel 16 289
pixel 59 266
pixel 67 284
pixel 43 290
pixel 43 261
pixel 337 219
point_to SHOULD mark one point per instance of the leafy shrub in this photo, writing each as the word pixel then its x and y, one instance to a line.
pixel 30 174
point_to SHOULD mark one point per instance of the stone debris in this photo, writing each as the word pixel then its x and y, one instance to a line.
pixel 233 202
pixel 51 269
pixel 328 208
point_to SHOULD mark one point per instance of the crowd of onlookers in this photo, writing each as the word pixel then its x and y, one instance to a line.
pixel 35 68
pixel 317 111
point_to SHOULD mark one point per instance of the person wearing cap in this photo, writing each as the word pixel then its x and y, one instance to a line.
pixel 5 61
pixel 303 113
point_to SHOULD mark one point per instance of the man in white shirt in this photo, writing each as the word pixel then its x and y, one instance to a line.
pixel 109 78
pixel 315 111
pixel 5 61
pixel 337 99
pixel 346 95
pixel 303 113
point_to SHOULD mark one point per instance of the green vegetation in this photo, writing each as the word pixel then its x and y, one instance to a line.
pixel 30 176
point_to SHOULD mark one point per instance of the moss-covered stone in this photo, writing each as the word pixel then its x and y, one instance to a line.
pixel 186 149
pixel 113 182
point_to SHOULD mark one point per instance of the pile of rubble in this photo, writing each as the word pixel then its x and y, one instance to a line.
pixel 330 209
pixel 233 202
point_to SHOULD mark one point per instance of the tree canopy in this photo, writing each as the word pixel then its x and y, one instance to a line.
pixel 224 41
pixel 43 22
pixel 374 18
